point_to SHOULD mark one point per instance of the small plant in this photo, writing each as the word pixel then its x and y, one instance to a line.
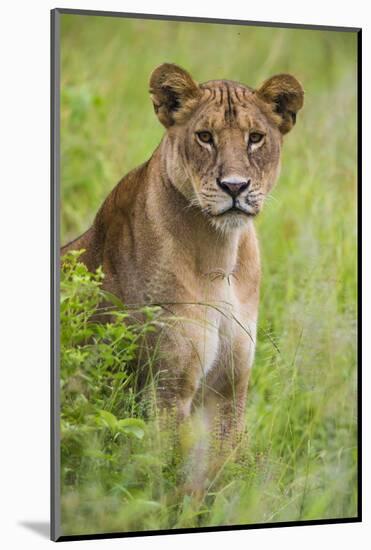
pixel 105 440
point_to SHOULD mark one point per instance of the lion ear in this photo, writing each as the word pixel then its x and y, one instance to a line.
pixel 174 93
pixel 285 95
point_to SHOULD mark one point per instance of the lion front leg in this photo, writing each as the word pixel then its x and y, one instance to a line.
pixel 221 412
pixel 226 413
pixel 175 389
pixel 216 429
pixel 184 358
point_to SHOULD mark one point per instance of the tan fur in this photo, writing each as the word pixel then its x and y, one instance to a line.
pixel 165 235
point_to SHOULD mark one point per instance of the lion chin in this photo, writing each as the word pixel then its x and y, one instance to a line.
pixel 231 219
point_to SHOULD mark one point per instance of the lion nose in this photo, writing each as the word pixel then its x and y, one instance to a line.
pixel 233 186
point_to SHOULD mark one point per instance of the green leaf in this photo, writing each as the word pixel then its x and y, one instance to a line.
pixel 113 299
pixel 132 426
pixel 108 419
pixel 131 422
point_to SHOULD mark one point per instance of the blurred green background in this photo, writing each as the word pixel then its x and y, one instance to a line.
pixel 301 416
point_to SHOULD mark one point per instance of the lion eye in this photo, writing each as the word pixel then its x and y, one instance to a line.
pixel 255 137
pixel 205 137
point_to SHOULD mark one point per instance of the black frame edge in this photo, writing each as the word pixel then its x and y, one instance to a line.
pixel 359 270
pixel 54 275
pixel 130 15
pixel 305 523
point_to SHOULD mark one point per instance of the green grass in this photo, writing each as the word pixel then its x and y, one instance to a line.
pixel 299 453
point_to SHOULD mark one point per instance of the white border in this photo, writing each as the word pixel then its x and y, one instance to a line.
pixel 24 230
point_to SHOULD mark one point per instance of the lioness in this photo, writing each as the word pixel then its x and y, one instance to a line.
pixel 178 230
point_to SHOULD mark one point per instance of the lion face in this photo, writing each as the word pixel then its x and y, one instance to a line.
pixel 224 139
